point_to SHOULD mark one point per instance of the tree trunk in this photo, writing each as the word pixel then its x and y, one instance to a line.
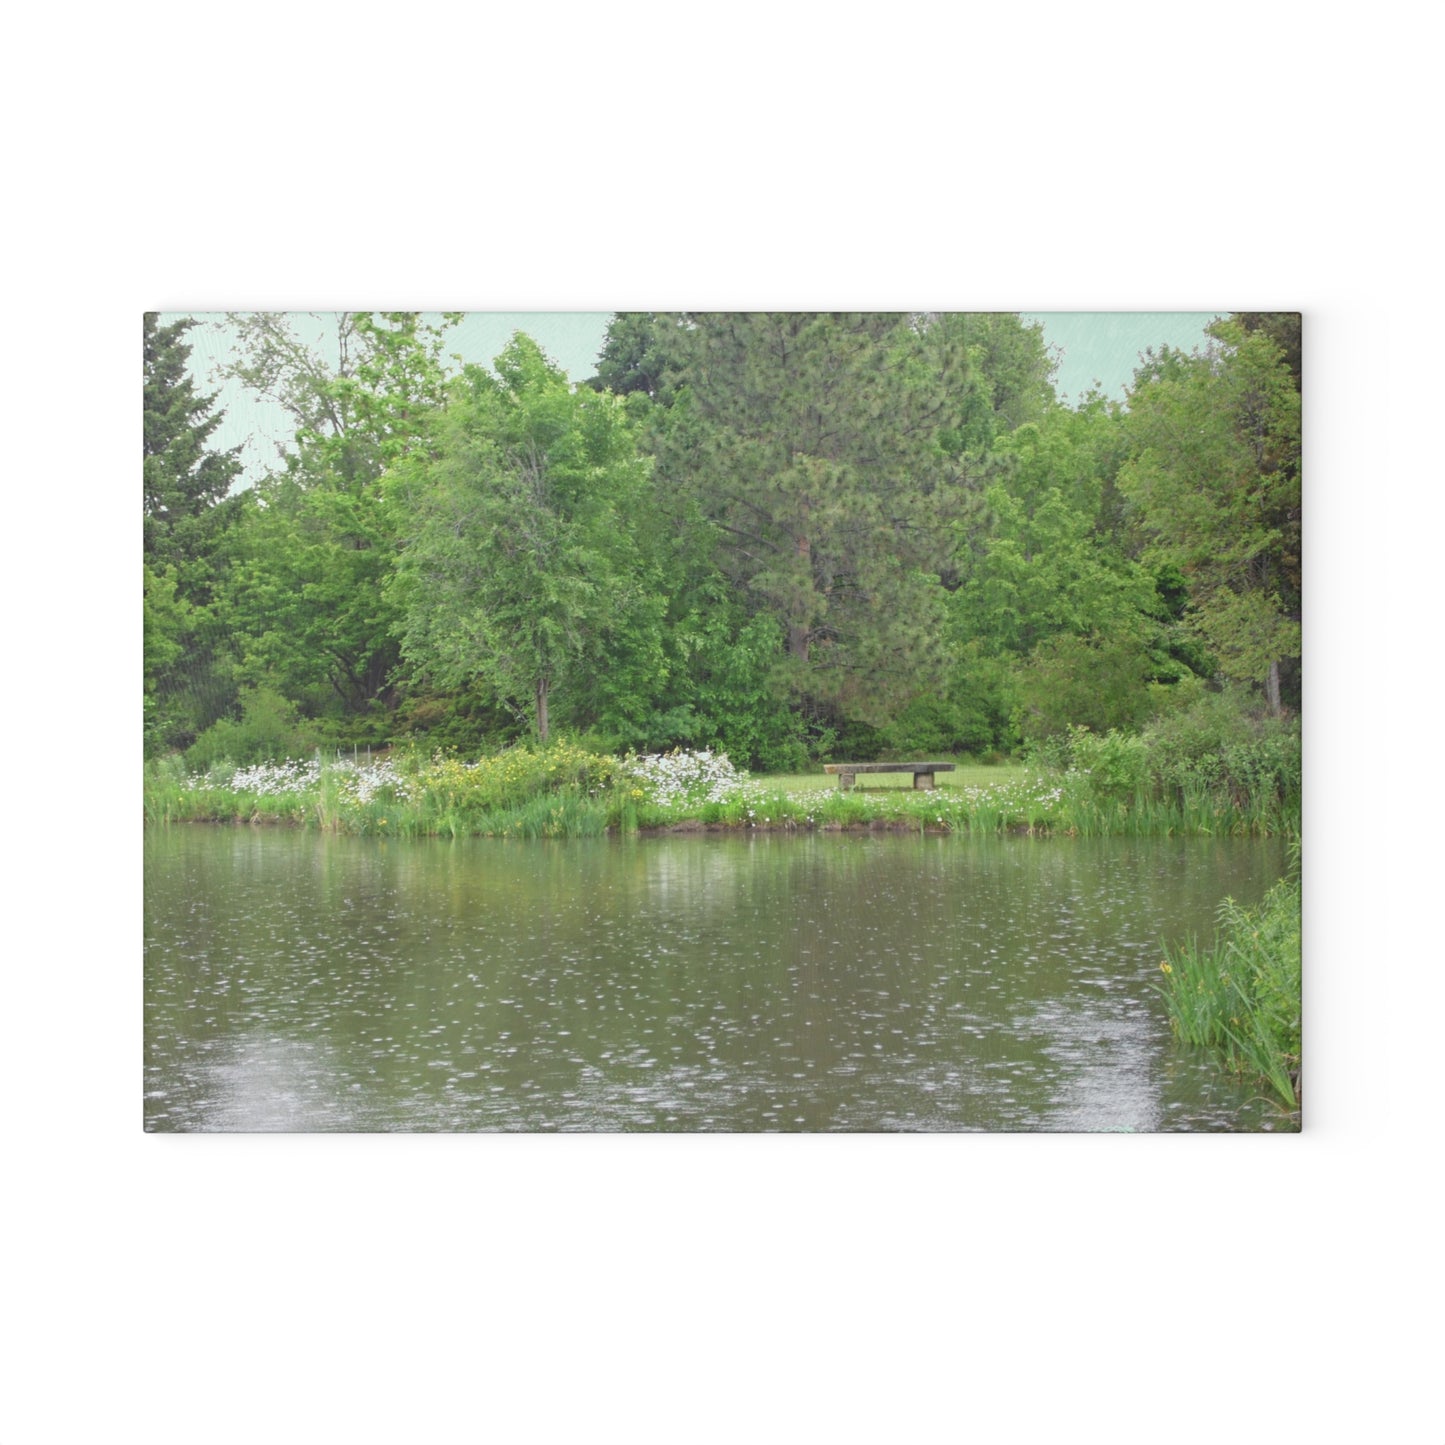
pixel 543 687
pixel 1271 689
pixel 798 634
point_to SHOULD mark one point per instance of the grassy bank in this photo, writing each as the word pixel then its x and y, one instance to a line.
pixel 564 791
pixel 1242 993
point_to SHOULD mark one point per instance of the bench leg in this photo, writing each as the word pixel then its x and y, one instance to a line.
pixel 846 781
pixel 923 780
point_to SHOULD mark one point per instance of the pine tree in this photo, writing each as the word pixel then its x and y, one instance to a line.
pixel 185 514
pixel 813 443
pixel 184 479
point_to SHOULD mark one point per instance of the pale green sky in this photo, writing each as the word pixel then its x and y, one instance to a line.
pixel 1103 347
pixel 1099 348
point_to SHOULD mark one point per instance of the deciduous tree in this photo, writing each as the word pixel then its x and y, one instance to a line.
pixel 521 566
pixel 307 597
pixel 1214 479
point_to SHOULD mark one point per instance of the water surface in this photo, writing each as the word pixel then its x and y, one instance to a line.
pixel 296 981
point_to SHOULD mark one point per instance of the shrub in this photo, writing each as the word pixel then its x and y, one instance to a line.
pixel 935 726
pixel 1117 764
pixel 509 779
pixel 268 729
pixel 1217 745
pixel 1097 682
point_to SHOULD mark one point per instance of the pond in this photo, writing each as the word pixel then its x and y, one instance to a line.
pixel 821 982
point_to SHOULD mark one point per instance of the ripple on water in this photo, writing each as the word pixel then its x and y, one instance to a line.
pixel 677 985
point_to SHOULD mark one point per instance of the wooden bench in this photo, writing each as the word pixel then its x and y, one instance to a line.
pixel 922 772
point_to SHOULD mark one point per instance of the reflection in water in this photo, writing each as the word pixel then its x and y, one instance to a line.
pixel 300 982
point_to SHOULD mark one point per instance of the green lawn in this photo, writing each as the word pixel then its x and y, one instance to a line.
pixel 971 775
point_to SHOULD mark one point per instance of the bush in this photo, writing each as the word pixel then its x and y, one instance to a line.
pixel 512 778
pixel 1094 682
pixel 468 721
pixel 1208 765
pixel 1116 764
pixel 1218 745
pixel 937 727
pixel 267 731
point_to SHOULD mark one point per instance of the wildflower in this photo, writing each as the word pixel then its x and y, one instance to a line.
pixel 1164 967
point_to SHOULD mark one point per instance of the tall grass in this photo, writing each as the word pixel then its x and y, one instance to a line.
pixel 1242 994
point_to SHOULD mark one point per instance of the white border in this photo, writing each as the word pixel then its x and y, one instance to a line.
pixel 214 1290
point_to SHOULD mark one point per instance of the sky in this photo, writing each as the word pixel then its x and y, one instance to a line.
pixel 1098 349
pixel 1102 348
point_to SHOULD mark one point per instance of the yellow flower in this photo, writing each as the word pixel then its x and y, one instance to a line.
pixel 1164 968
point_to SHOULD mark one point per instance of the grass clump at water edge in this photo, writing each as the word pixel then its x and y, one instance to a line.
pixel 1243 994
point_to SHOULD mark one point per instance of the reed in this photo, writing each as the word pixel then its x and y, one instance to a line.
pixel 1241 994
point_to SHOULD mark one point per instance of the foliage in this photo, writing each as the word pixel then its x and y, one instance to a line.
pixel 1215 765
pixel 780 536
pixel 1220 745
pixel 932 726
pixel 1098 682
pixel 184 480
pixel 521 568
pixel 510 778
pixel 1117 764
pixel 165 618
pixel 1077 629
pixel 636 358
pixel 1214 477
pixel 1242 994
pixel 185 515
pixel 268 729
pixel 830 521
pixel 1007 377
pixel 305 596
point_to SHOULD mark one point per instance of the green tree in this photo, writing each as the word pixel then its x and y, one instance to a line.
pixel 636 357
pixel 307 598
pixel 1051 590
pixel 185 480
pixel 185 515
pixel 1214 480
pixel 1009 376
pixel 522 566
pixel 813 444
pixel 1286 330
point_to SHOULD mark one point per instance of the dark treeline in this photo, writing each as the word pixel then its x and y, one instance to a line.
pixel 788 536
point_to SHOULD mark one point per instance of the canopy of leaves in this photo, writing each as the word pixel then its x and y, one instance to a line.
pixel 521 565
pixel 814 445
pixel 1214 478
